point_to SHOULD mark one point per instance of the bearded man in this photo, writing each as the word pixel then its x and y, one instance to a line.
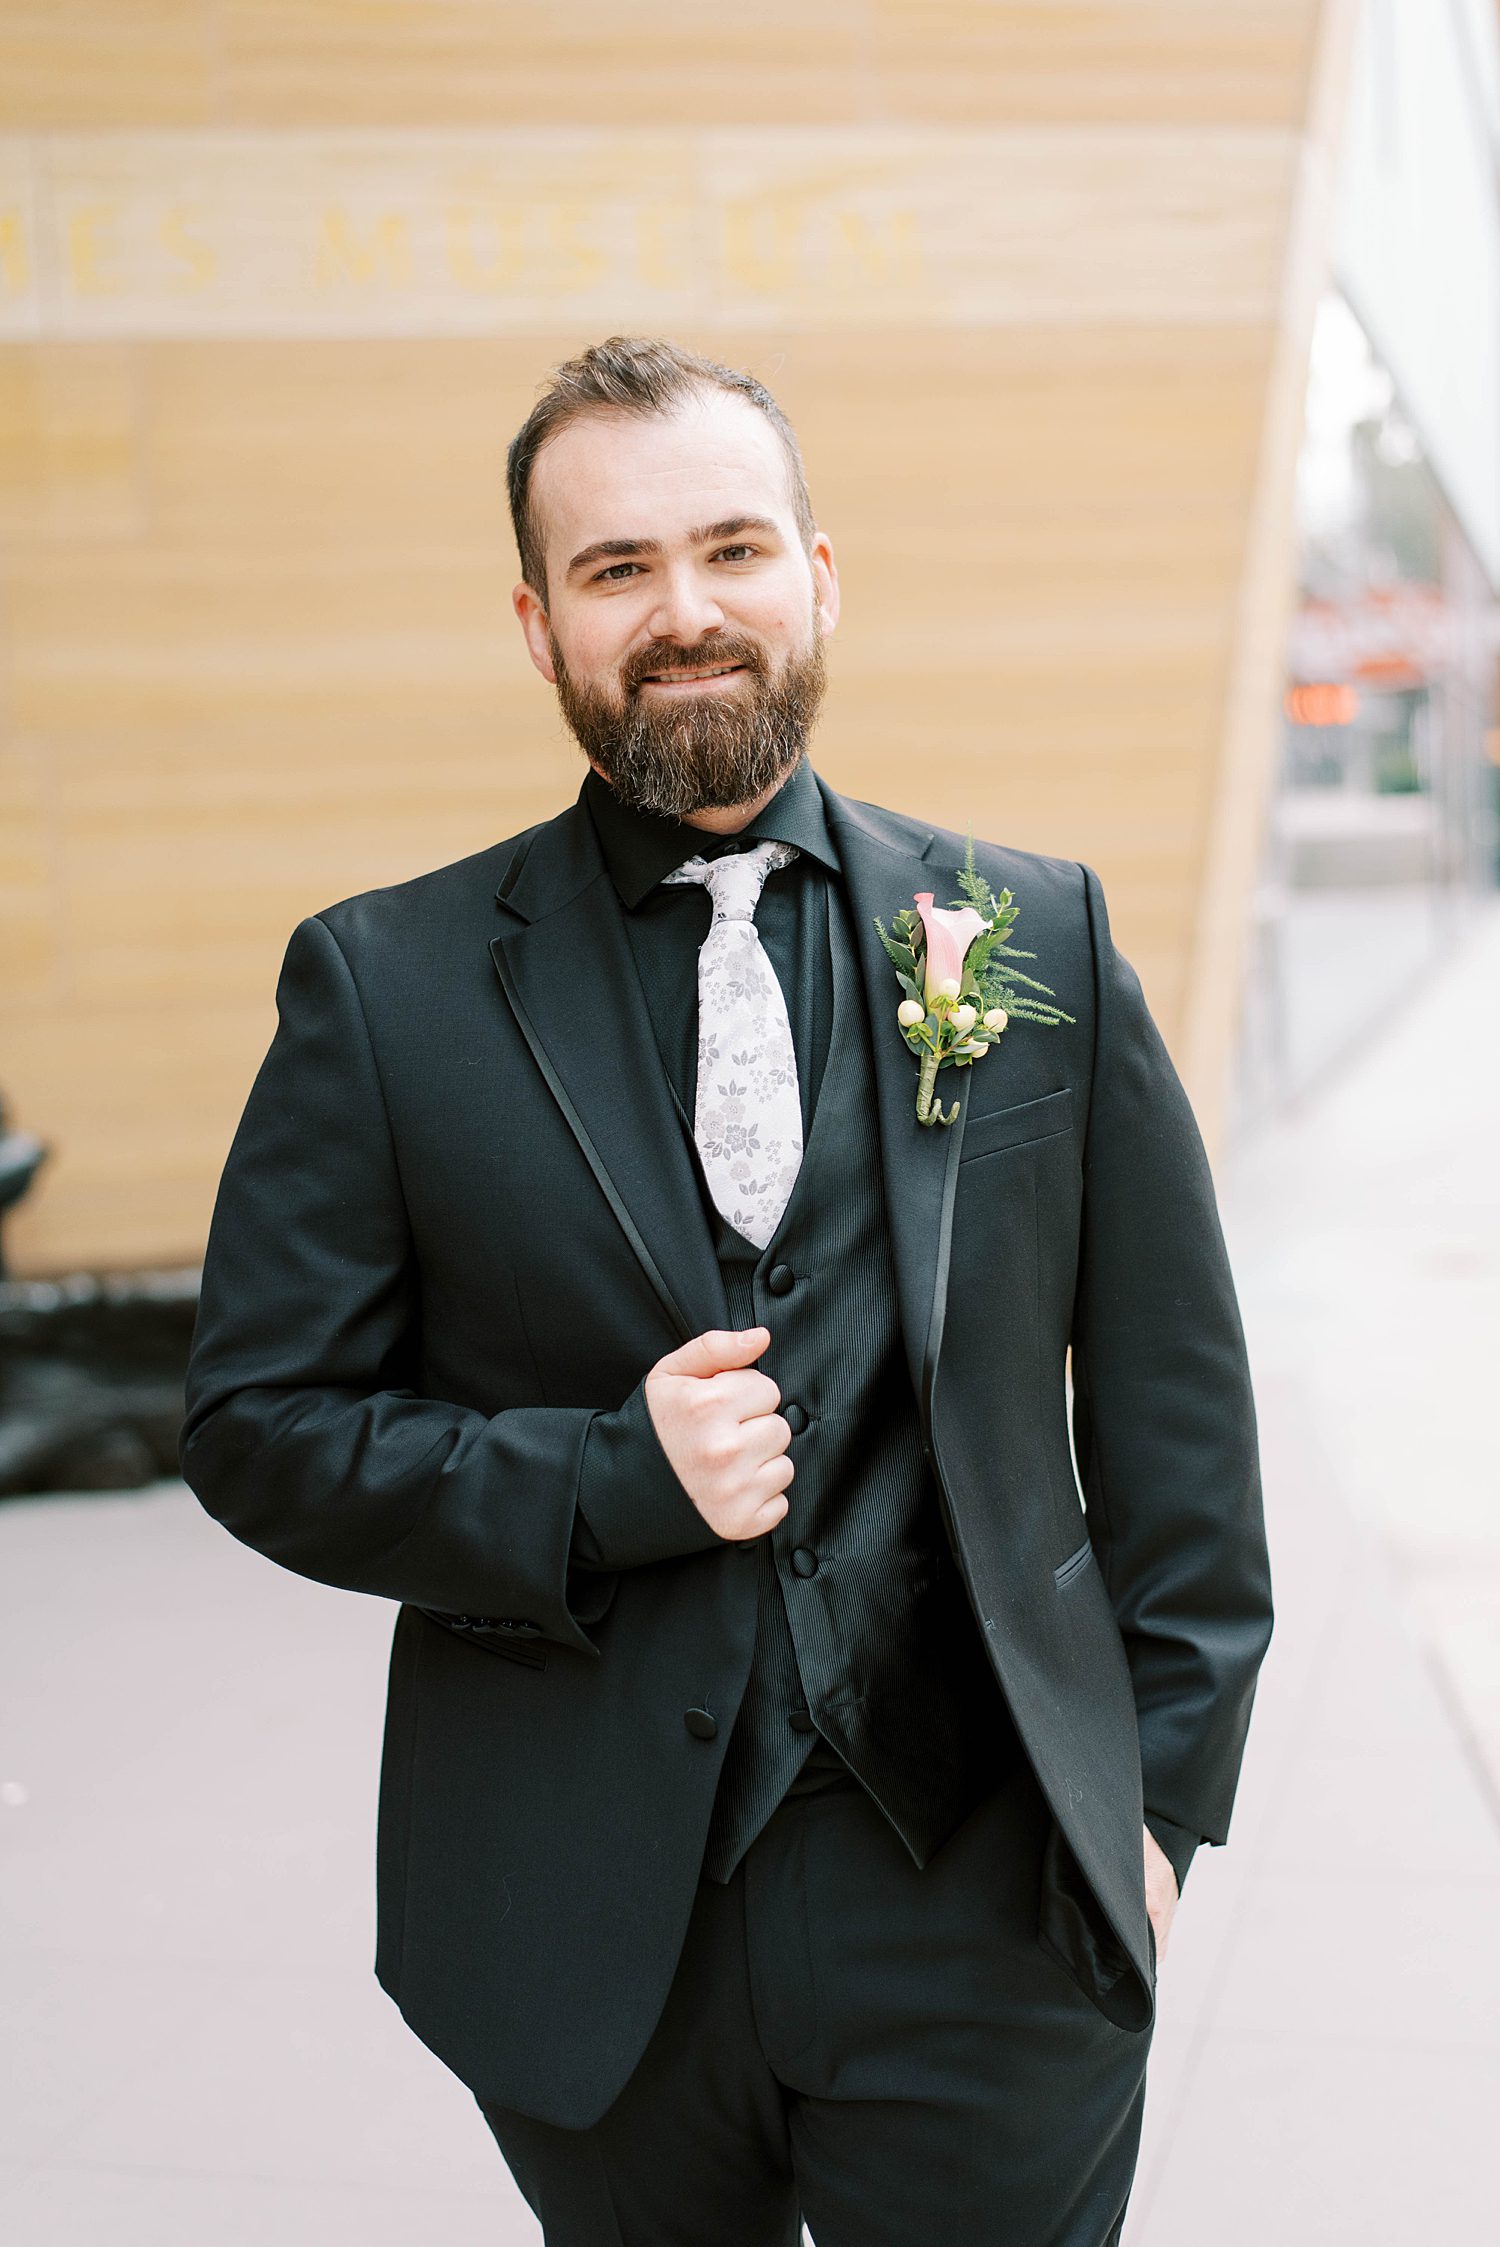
pixel 638 1262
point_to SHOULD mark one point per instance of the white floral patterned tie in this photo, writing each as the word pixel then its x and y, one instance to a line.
pixel 748 1114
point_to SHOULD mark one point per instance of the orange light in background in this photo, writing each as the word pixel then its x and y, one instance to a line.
pixel 1492 744
pixel 1322 703
pixel 1393 670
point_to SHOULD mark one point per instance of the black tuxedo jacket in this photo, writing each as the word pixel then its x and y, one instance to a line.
pixel 459 1220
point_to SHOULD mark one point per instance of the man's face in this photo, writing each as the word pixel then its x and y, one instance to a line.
pixel 684 620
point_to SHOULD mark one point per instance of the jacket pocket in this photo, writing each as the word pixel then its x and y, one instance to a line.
pixel 512 1641
pixel 1016 1127
pixel 1074 1565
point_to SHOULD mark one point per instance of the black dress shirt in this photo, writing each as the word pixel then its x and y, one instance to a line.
pixel 666 924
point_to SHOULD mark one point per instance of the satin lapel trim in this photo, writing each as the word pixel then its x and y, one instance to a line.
pixel 605 1073
pixel 886 861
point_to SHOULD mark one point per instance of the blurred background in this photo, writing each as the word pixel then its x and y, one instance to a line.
pixel 1146 361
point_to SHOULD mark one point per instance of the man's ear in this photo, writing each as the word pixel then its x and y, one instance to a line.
pixel 825 581
pixel 534 630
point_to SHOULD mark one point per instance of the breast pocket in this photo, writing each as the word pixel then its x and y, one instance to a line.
pixel 1019 1126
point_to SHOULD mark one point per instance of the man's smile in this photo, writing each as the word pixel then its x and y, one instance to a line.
pixel 708 676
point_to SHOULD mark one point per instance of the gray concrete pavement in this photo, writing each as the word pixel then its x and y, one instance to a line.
pixel 1327 2063
pixel 196 2054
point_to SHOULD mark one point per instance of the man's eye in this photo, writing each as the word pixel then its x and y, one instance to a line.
pixel 734 553
pixel 616 573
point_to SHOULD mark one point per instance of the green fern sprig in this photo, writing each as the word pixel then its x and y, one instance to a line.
pixel 901 951
pixel 990 981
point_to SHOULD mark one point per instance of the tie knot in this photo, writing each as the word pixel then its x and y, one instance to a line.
pixel 734 881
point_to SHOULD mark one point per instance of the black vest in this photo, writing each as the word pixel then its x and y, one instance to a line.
pixel 864 1634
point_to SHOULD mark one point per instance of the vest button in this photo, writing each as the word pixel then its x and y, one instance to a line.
pixel 795 1418
pixel 805 1561
pixel 801 1720
pixel 701 1724
pixel 781 1279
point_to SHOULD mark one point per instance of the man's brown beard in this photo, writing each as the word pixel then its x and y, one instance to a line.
pixel 697 752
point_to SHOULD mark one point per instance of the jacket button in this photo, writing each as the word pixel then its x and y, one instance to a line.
pixel 701 1724
pixel 795 1418
pixel 781 1279
pixel 805 1561
pixel 801 1720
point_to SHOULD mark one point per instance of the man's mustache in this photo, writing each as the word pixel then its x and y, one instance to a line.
pixel 668 655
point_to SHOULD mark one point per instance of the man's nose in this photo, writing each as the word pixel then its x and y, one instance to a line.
pixel 687 608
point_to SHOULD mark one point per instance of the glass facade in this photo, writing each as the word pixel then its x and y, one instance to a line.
pixel 1381 834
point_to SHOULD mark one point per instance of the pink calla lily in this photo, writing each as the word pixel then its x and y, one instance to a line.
pixel 949 934
pixel 951 1034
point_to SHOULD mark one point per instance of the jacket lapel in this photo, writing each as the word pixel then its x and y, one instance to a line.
pixel 885 858
pixel 566 941
pixel 565 935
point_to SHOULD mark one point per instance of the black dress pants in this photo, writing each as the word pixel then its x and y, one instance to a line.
pixel 884 2053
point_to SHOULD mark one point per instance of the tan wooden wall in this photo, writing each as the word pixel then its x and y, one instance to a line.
pixel 277 281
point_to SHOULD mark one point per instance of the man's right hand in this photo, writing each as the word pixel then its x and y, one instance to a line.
pixel 717 1422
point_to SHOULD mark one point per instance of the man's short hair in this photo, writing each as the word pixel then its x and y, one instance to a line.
pixel 633 375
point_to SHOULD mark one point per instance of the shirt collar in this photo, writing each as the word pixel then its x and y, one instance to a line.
pixel 639 847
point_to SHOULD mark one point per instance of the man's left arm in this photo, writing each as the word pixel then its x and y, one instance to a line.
pixel 1164 1420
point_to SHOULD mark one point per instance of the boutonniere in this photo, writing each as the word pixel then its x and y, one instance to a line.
pixel 954 964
